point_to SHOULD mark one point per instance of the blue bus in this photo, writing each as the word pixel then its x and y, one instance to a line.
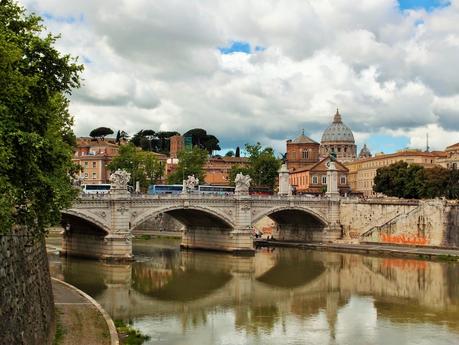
pixel 165 189
pixel 216 189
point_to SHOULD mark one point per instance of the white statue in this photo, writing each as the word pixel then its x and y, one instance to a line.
pixel 242 183
pixel 190 183
pixel 119 179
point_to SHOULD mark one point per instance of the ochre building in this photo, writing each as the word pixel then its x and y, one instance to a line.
pixel 451 159
pixel 363 171
pixel 312 178
pixel 93 155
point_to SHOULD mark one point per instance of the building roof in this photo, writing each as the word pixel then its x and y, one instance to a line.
pixel 338 131
pixel 453 147
pixel 303 139
pixel 401 153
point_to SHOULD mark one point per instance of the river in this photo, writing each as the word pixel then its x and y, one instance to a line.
pixel 279 296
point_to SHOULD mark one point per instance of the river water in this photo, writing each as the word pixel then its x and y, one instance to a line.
pixel 280 296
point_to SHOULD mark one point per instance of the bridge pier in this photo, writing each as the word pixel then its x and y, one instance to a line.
pixel 218 239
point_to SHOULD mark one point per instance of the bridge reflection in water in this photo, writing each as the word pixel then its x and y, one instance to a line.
pixel 277 293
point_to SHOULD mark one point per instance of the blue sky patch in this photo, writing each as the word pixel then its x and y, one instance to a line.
pixel 386 143
pixel 63 19
pixel 236 46
pixel 428 5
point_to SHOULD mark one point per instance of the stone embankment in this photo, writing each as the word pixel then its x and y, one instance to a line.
pixel 27 306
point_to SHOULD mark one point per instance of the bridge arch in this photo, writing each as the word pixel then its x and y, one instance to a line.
pixel 275 212
pixel 196 216
pixel 70 215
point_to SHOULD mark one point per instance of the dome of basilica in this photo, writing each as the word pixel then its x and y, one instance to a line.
pixel 338 131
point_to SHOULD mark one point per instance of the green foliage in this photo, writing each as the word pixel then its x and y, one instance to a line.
pixel 130 335
pixel 35 128
pixel 238 152
pixel 405 180
pixel 200 138
pixel 143 166
pixel 191 162
pixel 149 140
pixel 230 153
pixel 100 132
pixel 263 165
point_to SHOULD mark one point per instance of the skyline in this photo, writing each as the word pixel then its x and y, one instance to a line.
pixel 265 70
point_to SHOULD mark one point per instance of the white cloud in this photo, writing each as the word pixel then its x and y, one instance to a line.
pixel 156 65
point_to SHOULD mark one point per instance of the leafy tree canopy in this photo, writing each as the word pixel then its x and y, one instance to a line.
pixel 200 138
pixel 143 166
pixel 238 152
pixel 36 135
pixel 100 132
pixel 191 162
pixel 230 153
pixel 405 180
pixel 263 164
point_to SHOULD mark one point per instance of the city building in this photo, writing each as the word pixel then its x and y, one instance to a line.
pixel 93 155
pixel 177 144
pixel 363 171
pixel 217 169
pixel 338 139
pixel 312 178
pixel 451 161
pixel 301 152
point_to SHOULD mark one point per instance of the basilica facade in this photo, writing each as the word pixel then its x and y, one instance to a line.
pixel 306 159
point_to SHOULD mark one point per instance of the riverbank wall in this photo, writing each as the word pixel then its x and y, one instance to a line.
pixel 402 222
pixel 27 304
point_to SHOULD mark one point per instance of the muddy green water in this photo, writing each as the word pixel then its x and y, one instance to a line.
pixel 280 296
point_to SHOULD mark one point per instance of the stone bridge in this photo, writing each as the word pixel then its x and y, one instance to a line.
pixel 101 225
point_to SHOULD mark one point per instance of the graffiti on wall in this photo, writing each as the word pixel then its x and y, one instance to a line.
pixel 404 239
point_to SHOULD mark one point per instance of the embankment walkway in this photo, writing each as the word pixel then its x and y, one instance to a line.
pixel 367 248
pixel 80 319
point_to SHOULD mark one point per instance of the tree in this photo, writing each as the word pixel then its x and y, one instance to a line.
pixel 230 153
pixel 263 165
pixel 191 162
pixel 143 166
pixel 238 152
pixel 433 182
pixel 398 179
pixel 36 135
pixel 200 138
pixel 100 132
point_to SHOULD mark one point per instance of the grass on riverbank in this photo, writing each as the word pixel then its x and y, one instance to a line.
pixel 129 335
pixel 59 334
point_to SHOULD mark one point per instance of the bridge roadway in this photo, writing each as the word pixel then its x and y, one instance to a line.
pixel 101 225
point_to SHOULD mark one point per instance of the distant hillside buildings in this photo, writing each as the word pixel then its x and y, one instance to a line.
pixel 306 160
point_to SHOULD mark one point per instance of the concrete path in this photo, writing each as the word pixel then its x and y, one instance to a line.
pixel 80 319
pixel 366 248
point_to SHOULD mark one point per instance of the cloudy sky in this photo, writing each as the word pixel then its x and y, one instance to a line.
pixel 249 70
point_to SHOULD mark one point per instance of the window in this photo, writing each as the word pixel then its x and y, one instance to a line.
pixel 305 154
pixel 324 179
pixel 292 155
pixel 86 164
pixel 85 174
pixel 342 180
pixel 339 149
pixel 315 180
pixel 454 166
pixel 94 176
pixel 345 149
pixel 93 164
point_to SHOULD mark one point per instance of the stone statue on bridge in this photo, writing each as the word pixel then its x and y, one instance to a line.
pixel 190 184
pixel 119 179
pixel 242 183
